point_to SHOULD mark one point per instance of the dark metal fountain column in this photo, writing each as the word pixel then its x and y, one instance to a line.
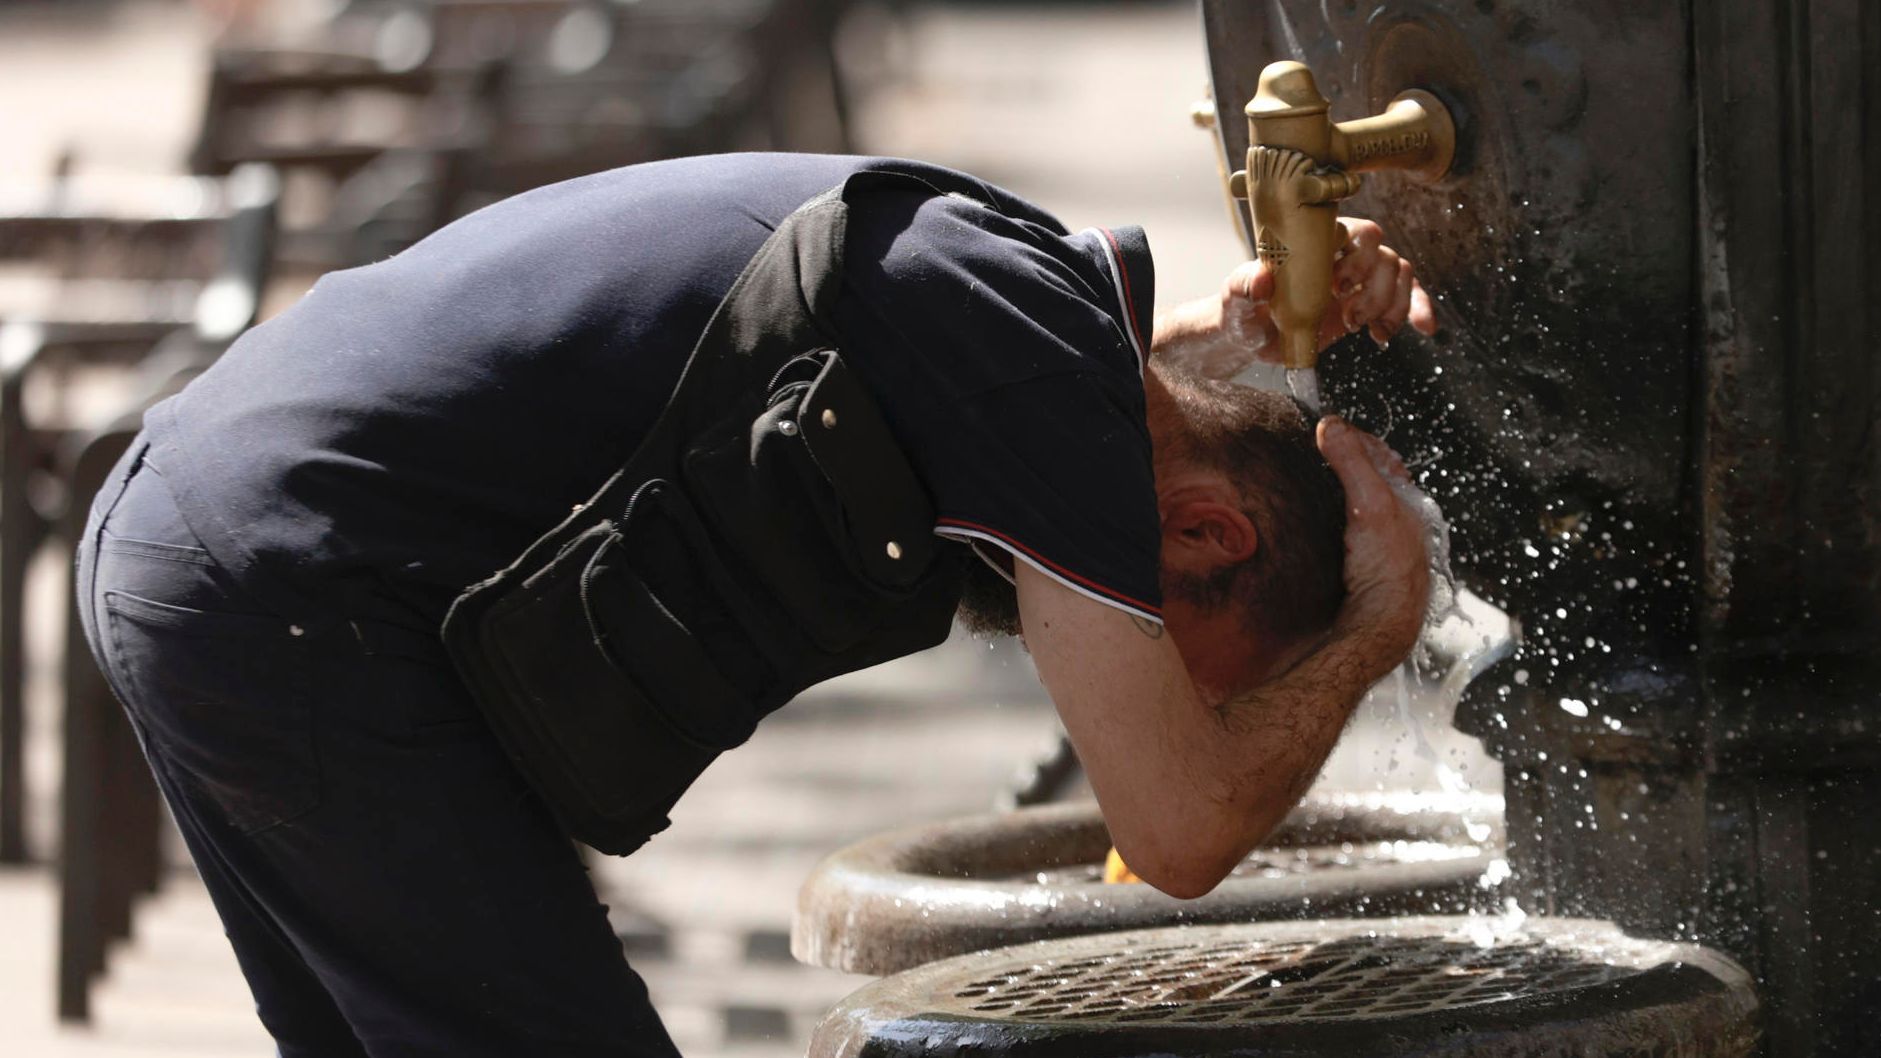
pixel 1788 460
pixel 1653 418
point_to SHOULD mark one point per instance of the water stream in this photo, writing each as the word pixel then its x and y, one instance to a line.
pixel 1303 383
pixel 1463 635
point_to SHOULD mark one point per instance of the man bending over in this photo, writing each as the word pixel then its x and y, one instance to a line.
pixel 501 541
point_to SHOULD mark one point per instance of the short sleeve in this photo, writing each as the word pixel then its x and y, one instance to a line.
pixel 1005 358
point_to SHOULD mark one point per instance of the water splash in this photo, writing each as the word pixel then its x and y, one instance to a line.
pixel 1462 636
pixel 1447 777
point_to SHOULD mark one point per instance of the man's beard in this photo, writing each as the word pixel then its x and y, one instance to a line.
pixel 989 605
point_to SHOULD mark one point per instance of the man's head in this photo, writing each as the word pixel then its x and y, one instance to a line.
pixel 1253 524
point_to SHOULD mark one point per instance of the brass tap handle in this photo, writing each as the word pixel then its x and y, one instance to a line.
pixel 1323 187
pixel 1414 134
pixel 1300 164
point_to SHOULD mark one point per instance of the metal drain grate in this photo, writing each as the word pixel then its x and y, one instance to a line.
pixel 1287 862
pixel 1460 986
pixel 1234 981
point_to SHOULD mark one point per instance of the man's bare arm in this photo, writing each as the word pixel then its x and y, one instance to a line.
pixel 1188 787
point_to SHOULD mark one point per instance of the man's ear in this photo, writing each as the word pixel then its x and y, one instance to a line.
pixel 1202 533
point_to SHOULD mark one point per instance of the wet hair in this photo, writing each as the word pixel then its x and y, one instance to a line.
pixel 1291 588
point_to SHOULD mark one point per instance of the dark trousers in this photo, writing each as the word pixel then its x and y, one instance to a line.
pixel 390 886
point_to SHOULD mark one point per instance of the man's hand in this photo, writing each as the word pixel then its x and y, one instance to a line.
pixel 1374 289
pixel 1387 570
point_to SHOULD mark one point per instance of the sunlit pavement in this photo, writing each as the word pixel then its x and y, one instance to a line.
pixel 1084 109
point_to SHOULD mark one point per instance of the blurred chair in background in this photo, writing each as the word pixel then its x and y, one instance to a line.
pixel 372 159
pixel 102 312
pixel 392 117
pixel 91 300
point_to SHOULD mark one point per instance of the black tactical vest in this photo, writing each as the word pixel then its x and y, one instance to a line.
pixel 767 535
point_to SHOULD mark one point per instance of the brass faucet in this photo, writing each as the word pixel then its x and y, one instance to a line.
pixel 1300 164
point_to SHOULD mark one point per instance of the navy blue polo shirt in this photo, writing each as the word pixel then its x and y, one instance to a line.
pixel 409 427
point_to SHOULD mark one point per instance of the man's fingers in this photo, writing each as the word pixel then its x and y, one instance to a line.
pixel 1375 288
pixel 1380 293
pixel 1388 462
pixel 1246 319
pixel 1357 256
pixel 1423 313
pixel 1332 326
pixel 1252 281
pixel 1392 318
pixel 1361 234
pixel 1351 271
pixel 1367 494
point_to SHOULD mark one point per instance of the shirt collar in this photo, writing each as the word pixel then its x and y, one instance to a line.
pixel 1126 256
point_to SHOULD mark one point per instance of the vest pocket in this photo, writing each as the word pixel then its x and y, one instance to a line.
pixel 623 703
pixel 652 613
pixel 765 492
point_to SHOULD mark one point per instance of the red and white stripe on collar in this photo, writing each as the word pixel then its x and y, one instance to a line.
pixel 1127 295
pixel 977 535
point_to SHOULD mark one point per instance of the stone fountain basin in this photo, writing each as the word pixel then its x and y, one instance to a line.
pixel 1447 986
pixel 911 896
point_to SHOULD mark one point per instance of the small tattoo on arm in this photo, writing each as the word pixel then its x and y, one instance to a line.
pixel 1147 627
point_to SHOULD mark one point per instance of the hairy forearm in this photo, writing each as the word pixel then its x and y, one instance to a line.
pixel 1246 760
pixel 1275 737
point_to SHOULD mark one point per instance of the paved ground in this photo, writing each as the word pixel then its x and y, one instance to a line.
pixel 1082 108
